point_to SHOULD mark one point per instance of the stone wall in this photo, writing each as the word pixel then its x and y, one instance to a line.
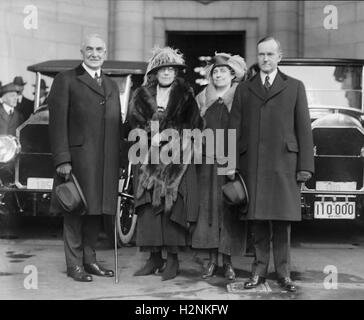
pixel 61 26
pixel 345 42
pixel 133 27
pixel 153 18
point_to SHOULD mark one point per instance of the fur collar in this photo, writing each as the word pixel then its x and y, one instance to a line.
pixel 180 112
pixel 209 96
pixel 163 180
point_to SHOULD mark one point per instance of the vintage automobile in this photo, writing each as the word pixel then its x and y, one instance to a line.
pixel 335 98
pixel 27 158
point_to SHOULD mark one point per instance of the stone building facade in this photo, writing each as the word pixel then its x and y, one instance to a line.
pixel 133 27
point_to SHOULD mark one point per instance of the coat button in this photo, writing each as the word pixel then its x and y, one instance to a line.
pixel 102 102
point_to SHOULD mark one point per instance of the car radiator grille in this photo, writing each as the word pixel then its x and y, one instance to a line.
pixel 35 159
pixel 337 156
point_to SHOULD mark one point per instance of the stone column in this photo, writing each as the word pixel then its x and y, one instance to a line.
pixel 126 30
pixel 285 23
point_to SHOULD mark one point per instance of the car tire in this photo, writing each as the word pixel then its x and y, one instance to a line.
pixel 125 224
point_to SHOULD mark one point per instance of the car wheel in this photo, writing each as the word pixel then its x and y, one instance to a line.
pixel 125 223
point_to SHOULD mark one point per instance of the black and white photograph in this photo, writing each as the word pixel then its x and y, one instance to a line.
pixel 196 152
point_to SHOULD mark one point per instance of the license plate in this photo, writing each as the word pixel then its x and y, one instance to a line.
pixel 40 183
pixel 335 186
pixel 334 210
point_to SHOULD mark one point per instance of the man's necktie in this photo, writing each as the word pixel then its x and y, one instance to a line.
pixel 266 84
pixel 98 79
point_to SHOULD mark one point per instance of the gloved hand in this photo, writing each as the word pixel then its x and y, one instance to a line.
pixel 64 170
pixel 303 176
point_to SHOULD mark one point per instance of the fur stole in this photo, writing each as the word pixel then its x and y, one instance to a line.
pixel 182 112
pixel 208 96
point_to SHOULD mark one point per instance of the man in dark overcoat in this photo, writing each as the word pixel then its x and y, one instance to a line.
pixel 10 117
pixel 84 124
pixel 275 149
pixel 24 106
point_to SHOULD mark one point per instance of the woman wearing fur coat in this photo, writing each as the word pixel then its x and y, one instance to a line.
pixel 218 229
pixel 166 194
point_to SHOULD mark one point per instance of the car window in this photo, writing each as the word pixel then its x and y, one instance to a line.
pixel 339 86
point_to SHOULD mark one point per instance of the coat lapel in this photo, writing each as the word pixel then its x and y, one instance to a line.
pixel 3 113
pixel 108 85
pixel 256 87
pixel 83 76
pixel 279 84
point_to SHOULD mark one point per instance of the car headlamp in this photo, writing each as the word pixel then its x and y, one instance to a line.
pixel 9 148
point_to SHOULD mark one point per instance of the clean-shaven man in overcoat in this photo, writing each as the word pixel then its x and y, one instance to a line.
pixel 84 124
pixel 275 148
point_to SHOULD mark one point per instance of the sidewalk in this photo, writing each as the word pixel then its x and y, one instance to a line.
pixel 48 257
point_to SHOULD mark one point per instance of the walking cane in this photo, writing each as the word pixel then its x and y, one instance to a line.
pixel 116 241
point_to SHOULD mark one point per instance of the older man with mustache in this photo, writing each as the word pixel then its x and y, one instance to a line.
pixel 84 108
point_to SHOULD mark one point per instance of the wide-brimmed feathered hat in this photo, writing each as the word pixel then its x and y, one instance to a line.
pixel 236 63
pixel 165 57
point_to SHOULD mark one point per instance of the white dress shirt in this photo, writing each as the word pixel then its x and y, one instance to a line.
pixel 90 71
pixel 8 109
pixel 271 75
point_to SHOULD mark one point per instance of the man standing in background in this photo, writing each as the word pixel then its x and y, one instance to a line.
pixel 25 106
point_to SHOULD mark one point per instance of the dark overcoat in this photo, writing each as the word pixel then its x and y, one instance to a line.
pixel 8 124
pixel 274 142
pixel 26 108
pixel 84 128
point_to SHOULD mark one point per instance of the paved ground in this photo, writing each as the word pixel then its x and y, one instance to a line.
pixel 312 252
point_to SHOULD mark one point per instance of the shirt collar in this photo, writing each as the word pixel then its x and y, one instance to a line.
pixel 90 71
pixel 7 108
pixel 271 75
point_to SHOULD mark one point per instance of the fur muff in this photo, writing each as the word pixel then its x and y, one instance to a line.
pixel 182 112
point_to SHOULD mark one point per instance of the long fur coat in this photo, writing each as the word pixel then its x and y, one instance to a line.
pixel 182 112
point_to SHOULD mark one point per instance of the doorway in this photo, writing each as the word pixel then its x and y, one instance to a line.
pixel 195 44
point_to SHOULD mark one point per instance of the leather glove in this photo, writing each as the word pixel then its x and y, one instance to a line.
pixel 64 170
pixel 303 176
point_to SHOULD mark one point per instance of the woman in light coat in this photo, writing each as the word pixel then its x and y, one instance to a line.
pixel 218 227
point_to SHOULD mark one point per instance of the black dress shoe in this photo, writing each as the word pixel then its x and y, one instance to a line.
pixel 287 284
pixel 253 282
pixel 97 270
pixel 78 274
pixel 229 272
pixel 210 270
pixel 151 266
